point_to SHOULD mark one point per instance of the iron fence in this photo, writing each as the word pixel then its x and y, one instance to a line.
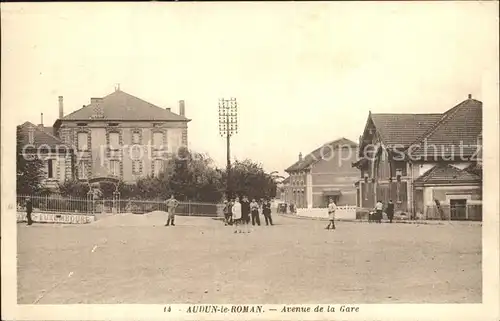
pixel 183 209
pixel 55 204
pixel 69 205
pixel 446 212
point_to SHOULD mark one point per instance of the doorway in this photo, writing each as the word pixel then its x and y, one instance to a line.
pixel 326 200
pixel 458 209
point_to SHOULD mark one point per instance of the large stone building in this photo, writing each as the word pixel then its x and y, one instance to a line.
pixel 121 136
pixel 322 174
pixel 418 159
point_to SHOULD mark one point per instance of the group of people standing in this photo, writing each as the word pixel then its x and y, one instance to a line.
pixel 379 210
pixel 239 213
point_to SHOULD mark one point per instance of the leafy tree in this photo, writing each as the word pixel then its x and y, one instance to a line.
pixel 74 188
pixel 30 169
pixel 249 178
pixel 192 176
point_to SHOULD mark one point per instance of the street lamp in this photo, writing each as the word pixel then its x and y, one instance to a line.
pixel 228 126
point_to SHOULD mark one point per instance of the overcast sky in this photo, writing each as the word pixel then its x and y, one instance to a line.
pixel 303 73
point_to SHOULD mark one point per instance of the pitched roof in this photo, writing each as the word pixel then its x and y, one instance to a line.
pixel 40 135
pixel 445 173
pixel 475 168
pixel 319 153
pixel 286 180
pixel 402 129
pixel 455 134
pixel 48 130
pixel 120 105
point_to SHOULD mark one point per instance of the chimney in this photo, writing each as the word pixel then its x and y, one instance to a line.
pixel 300 157
pixel 182 109
pixel 61 107
pixel 470 96
pixel 95 100
pixel 41 121
pixel 168 109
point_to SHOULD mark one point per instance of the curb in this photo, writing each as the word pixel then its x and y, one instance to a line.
pixel 316 218
pixel 472 223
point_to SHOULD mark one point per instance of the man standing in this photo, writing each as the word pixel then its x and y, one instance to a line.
pixel 266 210
pixel 254 207
pixel 379 207
pixel 172 204
pixel 29 210
pixel 390 211
pixel 228 212
pixel 332 207
pixel 245 210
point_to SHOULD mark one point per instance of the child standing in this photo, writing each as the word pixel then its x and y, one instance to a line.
pixel 332 207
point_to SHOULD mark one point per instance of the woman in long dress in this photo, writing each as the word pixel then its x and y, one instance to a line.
pixel 236 213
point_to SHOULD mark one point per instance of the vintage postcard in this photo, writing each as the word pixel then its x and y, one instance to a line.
pixel 250 160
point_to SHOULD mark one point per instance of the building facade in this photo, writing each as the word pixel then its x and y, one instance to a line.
pixel 121 136
pixel 418 159
pixel 323 174
pixel 57 158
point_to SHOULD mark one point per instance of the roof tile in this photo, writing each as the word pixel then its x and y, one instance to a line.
pixel 41 136
pixel 403 129
pixel 447 173
pixel 120 105
pixel 319 153
pixel 455 134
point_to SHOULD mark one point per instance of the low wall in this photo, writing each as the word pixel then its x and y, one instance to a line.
pixel 342 212
pixel 56 218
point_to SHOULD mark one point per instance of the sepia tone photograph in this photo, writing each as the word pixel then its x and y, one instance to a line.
pixel 226 157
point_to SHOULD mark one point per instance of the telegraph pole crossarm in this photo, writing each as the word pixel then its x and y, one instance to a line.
pixel 228 126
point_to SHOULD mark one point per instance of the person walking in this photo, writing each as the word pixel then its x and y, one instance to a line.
pixel 379 207
pixel 390 211
pixel 172 204
pixel 266 210
pixel 254 208
pixel 332 207
pixel 29 210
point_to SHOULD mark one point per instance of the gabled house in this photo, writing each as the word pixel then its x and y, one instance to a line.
pixel 416 159
pixel 121 136
pixel 57 157
pixel 322 174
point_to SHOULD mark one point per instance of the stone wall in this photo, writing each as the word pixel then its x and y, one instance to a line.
pixel 56 218
pixel 343 213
